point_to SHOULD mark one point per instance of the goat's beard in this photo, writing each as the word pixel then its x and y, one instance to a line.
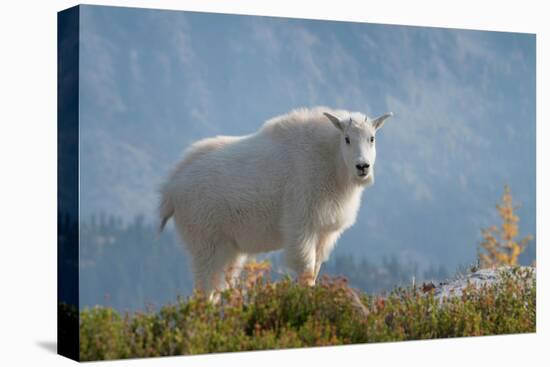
pixel 365 181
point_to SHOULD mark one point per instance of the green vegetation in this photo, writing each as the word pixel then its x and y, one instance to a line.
pixel 260 314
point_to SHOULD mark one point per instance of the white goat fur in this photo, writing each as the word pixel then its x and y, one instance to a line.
pixel 285 186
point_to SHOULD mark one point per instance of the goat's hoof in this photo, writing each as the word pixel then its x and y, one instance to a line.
pixel 307 279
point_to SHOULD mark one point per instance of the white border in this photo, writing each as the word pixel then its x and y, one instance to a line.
pixel 28 181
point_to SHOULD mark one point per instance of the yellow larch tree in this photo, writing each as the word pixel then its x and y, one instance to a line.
pixel 499 245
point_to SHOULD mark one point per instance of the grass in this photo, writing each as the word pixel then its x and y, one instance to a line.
pixel 260 314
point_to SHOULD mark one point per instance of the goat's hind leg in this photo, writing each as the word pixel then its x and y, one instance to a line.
pixel 210 265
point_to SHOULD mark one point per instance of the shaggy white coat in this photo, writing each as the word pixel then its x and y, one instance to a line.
pixel 288 186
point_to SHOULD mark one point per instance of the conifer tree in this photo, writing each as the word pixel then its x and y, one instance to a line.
pixel 500 246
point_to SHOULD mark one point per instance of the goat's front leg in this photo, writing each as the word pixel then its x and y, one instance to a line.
pixel 300 254
pixel 318 264
pixel 323 248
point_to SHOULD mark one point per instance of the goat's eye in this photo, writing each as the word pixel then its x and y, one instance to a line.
pixel 347 140
pixel 372 139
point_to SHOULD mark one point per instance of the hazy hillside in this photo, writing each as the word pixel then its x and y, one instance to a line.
pixel 154 81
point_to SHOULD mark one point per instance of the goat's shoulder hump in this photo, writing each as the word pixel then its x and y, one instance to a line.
pixel 300 120
pixel 201 148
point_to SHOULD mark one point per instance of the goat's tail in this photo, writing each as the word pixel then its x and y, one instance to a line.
pixel 166 211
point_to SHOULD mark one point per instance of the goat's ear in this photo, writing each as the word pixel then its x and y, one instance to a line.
pixel 335 121
pixel 379 121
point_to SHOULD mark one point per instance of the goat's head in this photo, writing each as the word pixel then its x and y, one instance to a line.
pixel 358 144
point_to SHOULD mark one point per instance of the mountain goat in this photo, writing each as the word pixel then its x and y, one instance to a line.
pixel 295 184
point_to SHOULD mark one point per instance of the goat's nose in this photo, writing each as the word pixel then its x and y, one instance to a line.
pixel 362 166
